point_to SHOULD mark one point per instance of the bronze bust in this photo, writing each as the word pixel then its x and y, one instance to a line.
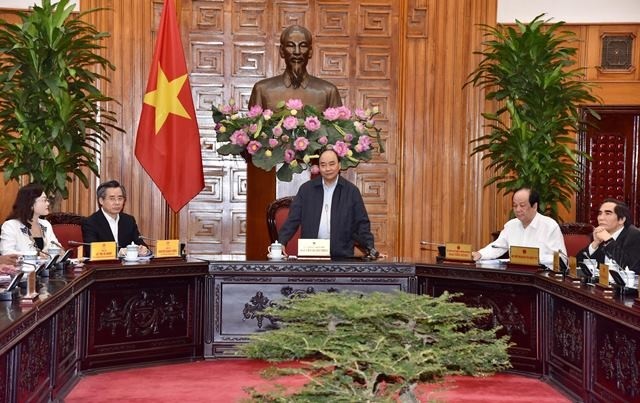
pixel 295 82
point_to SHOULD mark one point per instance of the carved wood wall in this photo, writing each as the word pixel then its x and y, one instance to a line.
pixel 231 45
pixel 411 57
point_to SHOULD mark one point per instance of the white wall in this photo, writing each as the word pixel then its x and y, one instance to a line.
pixel 570 11
pixel 26 4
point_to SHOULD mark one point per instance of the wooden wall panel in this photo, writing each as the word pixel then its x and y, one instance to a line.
pixel 442 194
pixel 411 57
pixel 231 45
pixel 132 26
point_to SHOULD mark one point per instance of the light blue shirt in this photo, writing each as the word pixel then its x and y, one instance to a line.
pixel 324 229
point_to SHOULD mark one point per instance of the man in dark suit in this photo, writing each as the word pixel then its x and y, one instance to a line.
pixel 615 238
pixel 330 207
pixel 109 223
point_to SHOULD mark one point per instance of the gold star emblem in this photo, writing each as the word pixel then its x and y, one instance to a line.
pixel 165 98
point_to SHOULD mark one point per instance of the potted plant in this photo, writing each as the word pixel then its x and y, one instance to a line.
pixel 528 71
pixel 375 347
pixel 52 114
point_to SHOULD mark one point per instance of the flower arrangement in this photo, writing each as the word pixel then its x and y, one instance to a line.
pixel 294 133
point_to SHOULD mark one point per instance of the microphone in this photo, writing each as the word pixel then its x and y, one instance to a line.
pixel 43 252
pixel 57 244
pixel 564 260
pixel 431 243
pixel 148 239
pixel 76 243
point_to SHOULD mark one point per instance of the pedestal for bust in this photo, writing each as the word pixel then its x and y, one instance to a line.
pixel 261 191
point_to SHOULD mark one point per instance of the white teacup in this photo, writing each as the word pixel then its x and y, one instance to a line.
pixel 132 251
pixel 275 250
pixel 54 251
pixel 30 255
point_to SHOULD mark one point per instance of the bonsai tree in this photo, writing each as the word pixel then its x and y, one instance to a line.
pixel 375 347
pixel 52 115
pixel 527 70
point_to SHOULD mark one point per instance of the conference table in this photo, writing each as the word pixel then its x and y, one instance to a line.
pixel 113 315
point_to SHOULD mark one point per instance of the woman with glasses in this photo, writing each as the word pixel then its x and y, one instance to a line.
pixel 25 231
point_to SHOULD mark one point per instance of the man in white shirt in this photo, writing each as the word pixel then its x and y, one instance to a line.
pixel 528 229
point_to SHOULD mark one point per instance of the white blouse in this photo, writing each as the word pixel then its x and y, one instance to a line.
pixel 16 237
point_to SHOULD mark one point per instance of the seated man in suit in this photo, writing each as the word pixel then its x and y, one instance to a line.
pixel 615 238
pixel 330 207
pixel 528 229
pixel 109 223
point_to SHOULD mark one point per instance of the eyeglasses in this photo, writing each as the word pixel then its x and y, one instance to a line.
pixel 114 199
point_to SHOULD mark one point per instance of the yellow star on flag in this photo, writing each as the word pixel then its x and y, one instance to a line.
pixel 165 98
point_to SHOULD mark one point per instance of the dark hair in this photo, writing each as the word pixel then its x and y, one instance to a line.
pixel 101 193
pixel 534 196
pixel 621 210
pixel 25 199
pixel 328 148
pixel 285 33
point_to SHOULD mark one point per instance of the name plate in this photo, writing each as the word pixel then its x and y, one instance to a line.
pixel 524 256
pixel 573 267
pixel 103 251
pixel 604 275
pixel 556 262
pixel 458 251
pixel 168 248
pixel 314 248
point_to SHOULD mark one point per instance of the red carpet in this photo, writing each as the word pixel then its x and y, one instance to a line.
pixel 223 380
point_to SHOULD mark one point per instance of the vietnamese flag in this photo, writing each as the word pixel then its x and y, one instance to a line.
pixel 168 139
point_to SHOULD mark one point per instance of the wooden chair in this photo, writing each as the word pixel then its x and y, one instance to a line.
pixel 277 214
pixel 67 227
pixel 577 235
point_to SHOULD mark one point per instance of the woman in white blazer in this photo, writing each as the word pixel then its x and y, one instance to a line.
pixel 24 231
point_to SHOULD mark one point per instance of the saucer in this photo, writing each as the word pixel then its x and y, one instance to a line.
pixel 131 259
pixel 275 258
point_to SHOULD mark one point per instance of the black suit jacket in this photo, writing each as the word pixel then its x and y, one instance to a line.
pixel 625 250
pixel 96 229
pixel 349 219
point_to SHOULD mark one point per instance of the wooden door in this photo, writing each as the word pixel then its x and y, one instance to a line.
pixel 612 172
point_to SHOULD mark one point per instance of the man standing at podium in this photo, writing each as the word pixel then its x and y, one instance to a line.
pixel 330 207
pixel 294 83
pixel 528 229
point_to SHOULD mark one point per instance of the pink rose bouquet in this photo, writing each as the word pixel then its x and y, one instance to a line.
pixel 294 133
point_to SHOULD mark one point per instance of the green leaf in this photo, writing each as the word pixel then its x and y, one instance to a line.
pixel 50 68
pixel 525 70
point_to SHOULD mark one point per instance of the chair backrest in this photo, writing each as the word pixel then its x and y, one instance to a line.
pixel 277 214
pixel 67 227
pixel 576 236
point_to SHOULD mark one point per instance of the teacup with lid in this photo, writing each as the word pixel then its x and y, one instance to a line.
pixel 275 250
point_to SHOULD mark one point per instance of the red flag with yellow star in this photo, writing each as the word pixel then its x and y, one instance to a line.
pixel 168 139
